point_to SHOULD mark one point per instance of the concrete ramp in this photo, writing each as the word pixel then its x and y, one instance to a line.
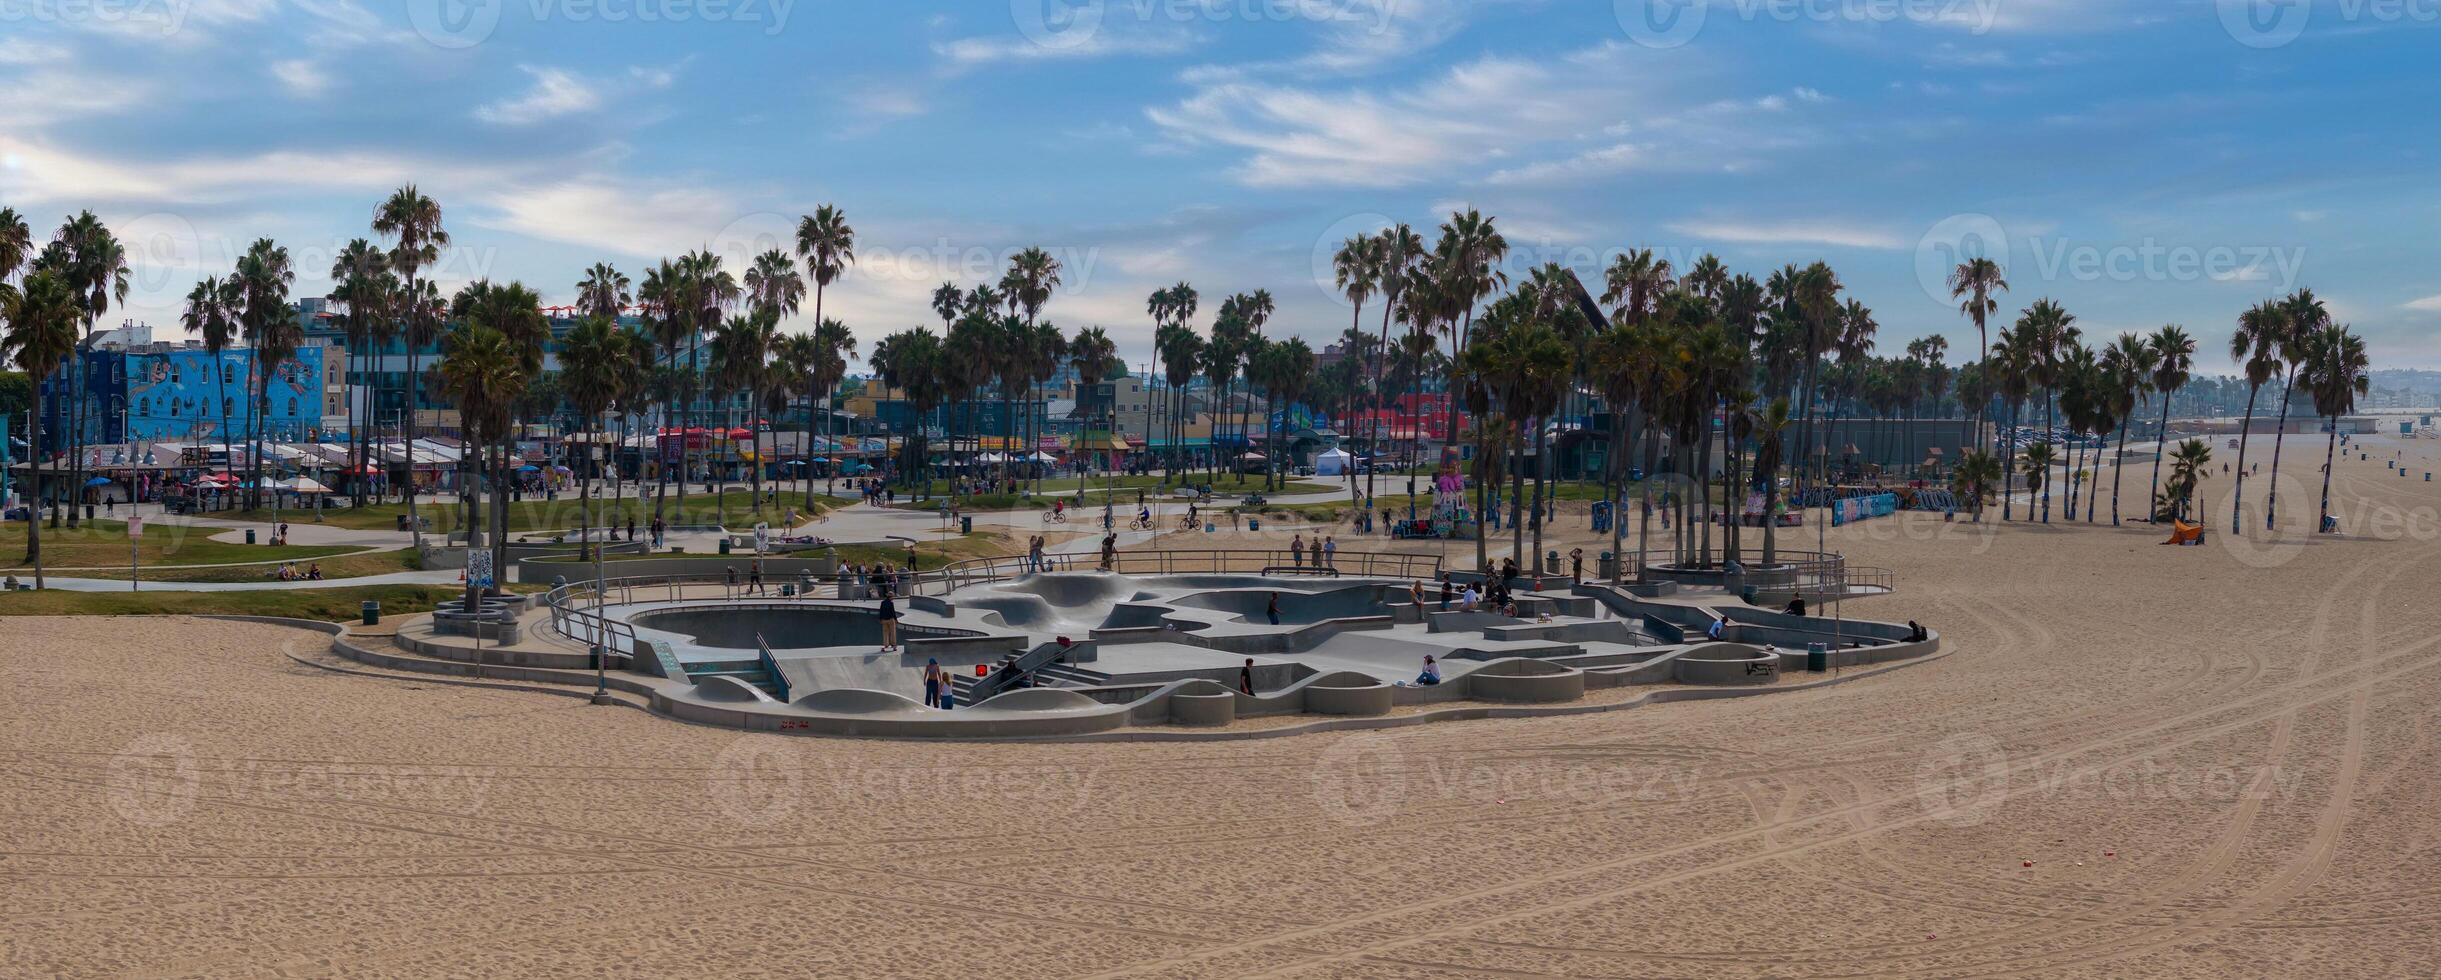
pixel 852 701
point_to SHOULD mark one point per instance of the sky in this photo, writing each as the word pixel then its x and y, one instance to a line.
pixel 2142 162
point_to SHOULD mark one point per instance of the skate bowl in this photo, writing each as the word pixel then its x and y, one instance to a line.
pixel 731 626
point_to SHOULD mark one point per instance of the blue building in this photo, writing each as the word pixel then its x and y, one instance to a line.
pixel 181 392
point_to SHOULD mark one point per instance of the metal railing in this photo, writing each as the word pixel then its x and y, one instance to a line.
pixel 978 571
pixel 771 665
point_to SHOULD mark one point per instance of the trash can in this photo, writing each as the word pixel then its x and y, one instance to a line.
pixel 402 522
pixel 372 613
pixel 724 545
pixel 249 535
pixel 1608 567
pixel 966 525
pixel 1252 524
pixel 1817 657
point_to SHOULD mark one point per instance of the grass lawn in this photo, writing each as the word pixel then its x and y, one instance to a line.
pixel 103 544
pixel 328 605
pixel 569 511
pixel 929 554
pixel 341 566
pixel 1121 490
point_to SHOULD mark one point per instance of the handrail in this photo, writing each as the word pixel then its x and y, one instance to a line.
pixel 771 665
pixel 975 571
pixel 1006 674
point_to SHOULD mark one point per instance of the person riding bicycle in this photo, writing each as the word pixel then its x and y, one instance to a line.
pixel 1059 509
pixel 1144 516
pixel 1192 519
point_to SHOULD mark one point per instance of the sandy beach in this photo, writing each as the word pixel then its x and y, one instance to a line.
pixel 2136 761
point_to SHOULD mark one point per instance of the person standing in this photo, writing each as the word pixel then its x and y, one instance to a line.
pixel 1245 677
pixel 1296 549
pixel 1576 565
pixel 932 683
pixel 1448 591
pixel 754 576
pixel 1271 610
pixel 889 623
pixel 1329 552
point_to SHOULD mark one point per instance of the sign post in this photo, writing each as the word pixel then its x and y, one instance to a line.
pixel 135 535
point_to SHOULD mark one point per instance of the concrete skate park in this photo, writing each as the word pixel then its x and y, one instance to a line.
pixel 1152 648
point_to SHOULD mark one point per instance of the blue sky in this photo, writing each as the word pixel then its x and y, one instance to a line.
pixel 2144 162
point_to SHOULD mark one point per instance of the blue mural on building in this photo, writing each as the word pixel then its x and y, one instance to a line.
pixel 165 393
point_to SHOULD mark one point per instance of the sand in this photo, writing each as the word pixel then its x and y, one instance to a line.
pixel 2218 761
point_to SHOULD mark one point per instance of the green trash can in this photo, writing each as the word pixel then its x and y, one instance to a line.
pixel 372 613
pixel 249 535
pixel 1817 658
pixel 724 546
pixel 966 525
pixel 1254 524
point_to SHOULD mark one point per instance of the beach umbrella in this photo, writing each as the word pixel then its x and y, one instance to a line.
pixel 99 481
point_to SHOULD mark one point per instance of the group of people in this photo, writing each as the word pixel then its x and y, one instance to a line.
pixel 1326 551
pixel 876 490
pixel 288 572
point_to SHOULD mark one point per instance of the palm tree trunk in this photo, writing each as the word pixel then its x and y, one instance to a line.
pixel 2008 464
pixel 33 517
pixel 2050 424
pixel 2271 499
pixel 2118 473
pixel 2161 449
pixel 2245 433
pixel 2330 453
pixel 1610 488
pixel 1541 484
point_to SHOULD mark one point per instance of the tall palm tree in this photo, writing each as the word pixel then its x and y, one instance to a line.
pixel 16 243
pixel 775 289
pixel 40 316
pixel 272 333
pixel 828 246
pixel 2052 333
pixel 2173 356
pixel 2304 317
pixel 358 276
pixel 1472 248
pixel 1033 275
pixel 413 222
pixel 1398 250
pixel 833 345
pixel 2256 345
pixel 480 372
pixel 1093 357
pixel 1972 283
pixel 211 312
pixel 1770 430
pixel 2013 369
pixel 2132 363
pixel 94 264
pixel 2337 373
pixel 594 360
pixel 1357 270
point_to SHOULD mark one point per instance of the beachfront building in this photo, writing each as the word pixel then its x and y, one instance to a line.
pixel 127 387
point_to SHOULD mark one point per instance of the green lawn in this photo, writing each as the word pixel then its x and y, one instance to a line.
pixel 533 515
pixel 355 565
pixel 103 544
pixel 329 605
pixel 1121 490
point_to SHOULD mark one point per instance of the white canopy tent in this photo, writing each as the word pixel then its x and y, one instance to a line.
pixel 1331 462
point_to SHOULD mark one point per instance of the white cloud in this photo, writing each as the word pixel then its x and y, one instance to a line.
pixel 1601 162
pixel 975 52
pixel 303 78
pixel 1790 233
pixel 2429 304
pixel 555 93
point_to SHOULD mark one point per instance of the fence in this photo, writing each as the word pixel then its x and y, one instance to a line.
pixel 977 571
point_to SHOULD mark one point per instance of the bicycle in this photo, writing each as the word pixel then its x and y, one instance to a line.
pixel 1140 524
pixel 1054 517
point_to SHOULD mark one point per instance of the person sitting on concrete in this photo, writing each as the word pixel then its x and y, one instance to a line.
pixel 1714 630
pixel 1796 606
pixel 1915 632
pixel 1431 674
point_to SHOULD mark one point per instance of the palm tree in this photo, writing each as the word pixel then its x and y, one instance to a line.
pixel 1398 250
pixel 40 316
pixel 1770 431
pixel 480 372
pixel 94 264
pixel 358 276
pixel 2052 333
pixel 211 311
pixel 833 345
pixel 1973 283
pixel 828 246
pixel 2261 331
pixel 2337 373
pixel 2304 317
pixel 16 243
pixel 1094 357
pixel 2132 365
pixel 1975 476
pixel 2173 354
pixel 413 221
pixel 1472 249
pixel 2187 467
pixel 272 332
pixel 593 359
pixel 1357 270
pixel 2040 457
